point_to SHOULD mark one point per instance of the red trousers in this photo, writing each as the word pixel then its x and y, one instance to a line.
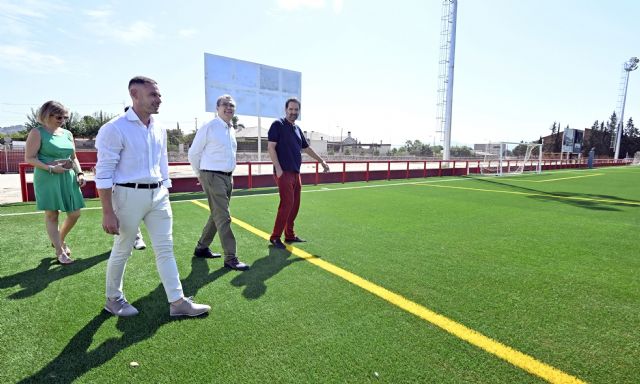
pixel 289 187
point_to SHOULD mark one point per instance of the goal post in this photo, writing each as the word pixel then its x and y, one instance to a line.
pixel 507 158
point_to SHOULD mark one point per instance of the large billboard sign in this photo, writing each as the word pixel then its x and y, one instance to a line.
pixel 259 90
pixel 572 140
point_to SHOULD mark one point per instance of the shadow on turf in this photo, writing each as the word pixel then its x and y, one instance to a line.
pixel 76 359
pixel 567 197
pixel 254 280
pixel 48 271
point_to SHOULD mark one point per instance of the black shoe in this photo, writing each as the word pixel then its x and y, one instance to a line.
pixel 205 253
pixel 236 264
pixel 295 240
pixel 277 243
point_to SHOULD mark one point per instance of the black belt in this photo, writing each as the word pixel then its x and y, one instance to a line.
pixel 141 186
pixel 218 172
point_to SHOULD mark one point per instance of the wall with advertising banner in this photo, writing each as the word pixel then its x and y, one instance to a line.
pixel 572 140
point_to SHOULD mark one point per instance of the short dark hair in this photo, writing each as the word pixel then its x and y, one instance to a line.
pixel 292 100
pixel 141 80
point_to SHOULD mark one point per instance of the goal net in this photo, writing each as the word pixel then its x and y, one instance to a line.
pixel 636 159
pixel 504 158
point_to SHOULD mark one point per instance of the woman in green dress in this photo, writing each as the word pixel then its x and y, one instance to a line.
pixel 57 176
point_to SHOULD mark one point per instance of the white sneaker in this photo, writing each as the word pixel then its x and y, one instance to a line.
pixel 139 244
pixel 187 307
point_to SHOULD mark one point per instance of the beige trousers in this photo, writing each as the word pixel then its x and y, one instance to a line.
pixel 218 189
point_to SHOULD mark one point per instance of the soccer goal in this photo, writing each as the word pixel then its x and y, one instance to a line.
pixel 636 159
pixel 504 158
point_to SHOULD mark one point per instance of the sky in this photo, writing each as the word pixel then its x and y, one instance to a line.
pixel 368 67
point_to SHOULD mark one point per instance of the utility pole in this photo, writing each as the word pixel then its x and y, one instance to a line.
pixel 196 124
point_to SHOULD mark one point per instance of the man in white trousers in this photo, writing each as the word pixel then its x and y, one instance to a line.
pixel 132 177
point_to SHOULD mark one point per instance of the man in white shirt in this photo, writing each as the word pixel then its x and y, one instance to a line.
pixel 132 177
pixel 213 158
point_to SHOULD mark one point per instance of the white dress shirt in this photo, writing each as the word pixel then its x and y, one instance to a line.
pixel 214 147
pixel 130 152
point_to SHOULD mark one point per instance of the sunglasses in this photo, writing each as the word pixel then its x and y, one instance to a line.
pixel 60 117
pixel 225 104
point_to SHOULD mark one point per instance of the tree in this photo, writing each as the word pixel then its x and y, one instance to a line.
pixel 91 124
pixel 592 140
pixel 417 148
pixel 175 136
pixel 402 151
pixel 19 136
pixel 74 125
pixel 554 145
pixel 32 120
pixel 557 141
pixel 520 150
pixel 630 140
pixel 461 151
pixel 85 126
pixel 188 138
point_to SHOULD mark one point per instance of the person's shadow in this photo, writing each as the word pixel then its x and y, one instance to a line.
pixel 254 280
pixel 39 278
pixel 75 359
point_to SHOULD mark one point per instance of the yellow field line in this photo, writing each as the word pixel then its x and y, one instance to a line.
pixel 514 357
pixel 626 202
pixel 561 178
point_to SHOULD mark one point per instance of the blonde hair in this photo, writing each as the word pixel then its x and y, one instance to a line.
pixel 50 108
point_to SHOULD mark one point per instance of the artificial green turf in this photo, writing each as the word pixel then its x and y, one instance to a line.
pixel 554 278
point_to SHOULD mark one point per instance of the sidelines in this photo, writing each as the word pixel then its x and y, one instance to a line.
pixel 269 194
pixel 562 178
pixel 325 189
pixel 626 202
pixel 514 357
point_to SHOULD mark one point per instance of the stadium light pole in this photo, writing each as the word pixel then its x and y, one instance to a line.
pixel 629 66
pixel 451 61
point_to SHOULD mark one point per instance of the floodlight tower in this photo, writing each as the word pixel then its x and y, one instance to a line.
pixel 629 66
pixel 446 62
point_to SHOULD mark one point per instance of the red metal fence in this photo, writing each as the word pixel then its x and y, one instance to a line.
pixel 253 177
pixel 9 160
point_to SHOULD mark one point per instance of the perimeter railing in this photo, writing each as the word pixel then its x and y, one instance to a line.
pixel 248 175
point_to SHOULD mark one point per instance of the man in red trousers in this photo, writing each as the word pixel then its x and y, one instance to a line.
pixel 286 142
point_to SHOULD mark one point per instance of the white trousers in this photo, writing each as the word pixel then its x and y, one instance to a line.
pixel 131 206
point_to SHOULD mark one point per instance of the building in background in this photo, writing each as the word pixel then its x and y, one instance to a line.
pixel 323 144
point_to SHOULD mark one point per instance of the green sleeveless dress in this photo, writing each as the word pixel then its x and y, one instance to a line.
pixel 56 191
